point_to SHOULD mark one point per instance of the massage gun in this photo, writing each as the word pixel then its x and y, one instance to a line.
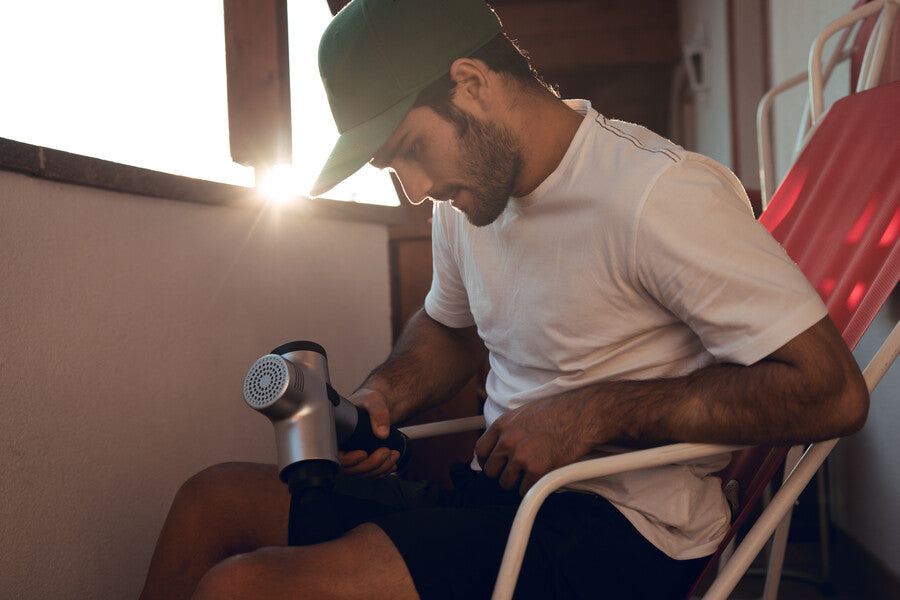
pixel 292 388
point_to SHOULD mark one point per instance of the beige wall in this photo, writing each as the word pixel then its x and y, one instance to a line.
pixel 864 469
pixel 793 26
pixel 703 23
pixel 126 326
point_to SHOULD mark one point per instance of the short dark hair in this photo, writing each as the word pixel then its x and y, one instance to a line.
pixel 500 54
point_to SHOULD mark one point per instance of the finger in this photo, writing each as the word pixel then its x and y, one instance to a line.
pixel 495 463
pixel 485 445
pixel 372 466
pixel 388 466
pixel 357 462
pixel 352 458
pixel 528 480
pixel 511 476
pixel 385 465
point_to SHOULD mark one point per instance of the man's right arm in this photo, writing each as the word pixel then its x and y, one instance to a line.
pixel 429 365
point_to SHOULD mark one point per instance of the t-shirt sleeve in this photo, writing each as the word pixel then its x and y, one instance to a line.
pixel 701 254
pixel 447 301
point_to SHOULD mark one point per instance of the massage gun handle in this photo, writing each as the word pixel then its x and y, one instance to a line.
pixel 363 438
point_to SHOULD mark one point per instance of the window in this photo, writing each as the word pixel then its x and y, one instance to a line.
pixel 138 83
pixel 314 132
pixel 143 84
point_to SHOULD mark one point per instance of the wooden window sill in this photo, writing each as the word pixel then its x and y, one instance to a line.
pixel 65 167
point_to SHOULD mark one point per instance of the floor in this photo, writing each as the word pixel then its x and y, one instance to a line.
pixel 802 579
pixel 850 574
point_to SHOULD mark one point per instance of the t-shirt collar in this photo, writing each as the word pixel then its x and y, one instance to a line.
pixel 583 107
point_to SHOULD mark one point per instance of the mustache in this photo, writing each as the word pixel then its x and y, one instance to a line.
pixel 444 195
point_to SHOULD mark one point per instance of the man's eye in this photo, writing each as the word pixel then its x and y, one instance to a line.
pixel 413 152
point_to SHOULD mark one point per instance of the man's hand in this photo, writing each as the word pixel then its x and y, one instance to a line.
pixel 524 444
pixel 384 460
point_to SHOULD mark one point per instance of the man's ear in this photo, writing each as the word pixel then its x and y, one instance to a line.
pixel 474 84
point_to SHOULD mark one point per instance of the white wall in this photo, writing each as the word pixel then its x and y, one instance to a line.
pixel 126 326
pixel 702 22
pixel 793 26
pixel 864 467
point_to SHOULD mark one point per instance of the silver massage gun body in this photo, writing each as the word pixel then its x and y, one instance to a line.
pixel 291 387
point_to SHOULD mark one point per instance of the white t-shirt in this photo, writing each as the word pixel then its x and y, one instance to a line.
pixel 634 259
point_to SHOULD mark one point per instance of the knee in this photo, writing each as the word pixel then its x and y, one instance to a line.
pixel 195 495
pixel 208 484
pixel 235 577
pixel 206 501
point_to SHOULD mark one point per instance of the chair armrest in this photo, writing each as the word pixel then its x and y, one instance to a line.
pixel 580 471
pixel 549 483
pixel 415 432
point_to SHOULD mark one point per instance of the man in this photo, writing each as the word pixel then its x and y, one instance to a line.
pixel 623 294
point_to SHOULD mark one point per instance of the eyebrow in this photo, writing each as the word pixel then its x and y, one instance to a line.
pixel 389 155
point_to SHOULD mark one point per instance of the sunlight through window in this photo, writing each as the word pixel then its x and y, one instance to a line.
pixel 314 131
pixel 143 84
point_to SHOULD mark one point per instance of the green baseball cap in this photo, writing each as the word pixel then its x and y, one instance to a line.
pixel 377 55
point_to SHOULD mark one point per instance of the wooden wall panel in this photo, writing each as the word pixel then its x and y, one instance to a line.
pixel 585 34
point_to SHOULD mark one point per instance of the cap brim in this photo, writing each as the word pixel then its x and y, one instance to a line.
pixel 355 147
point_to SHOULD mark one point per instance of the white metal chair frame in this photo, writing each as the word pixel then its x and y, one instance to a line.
pixel 816 78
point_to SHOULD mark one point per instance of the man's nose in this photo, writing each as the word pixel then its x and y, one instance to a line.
pixel 416 185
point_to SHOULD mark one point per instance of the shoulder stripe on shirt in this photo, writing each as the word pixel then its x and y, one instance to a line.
pixel 601 120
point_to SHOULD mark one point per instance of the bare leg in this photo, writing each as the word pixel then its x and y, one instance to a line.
pixel 240 510
pixel 224 510
pixel 362 565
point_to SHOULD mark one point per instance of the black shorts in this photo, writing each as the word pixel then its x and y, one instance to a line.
pixel 453 540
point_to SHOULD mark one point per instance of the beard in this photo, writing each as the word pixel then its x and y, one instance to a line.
pixel 491 162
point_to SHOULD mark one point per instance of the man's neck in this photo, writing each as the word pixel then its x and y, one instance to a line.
pixel 546 127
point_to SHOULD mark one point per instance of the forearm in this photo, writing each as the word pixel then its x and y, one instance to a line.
pixel 429 364
pixel 799 394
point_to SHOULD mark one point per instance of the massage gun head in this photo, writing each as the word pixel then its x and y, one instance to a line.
pixel 278 383
pixel 290 387
pixel 273 386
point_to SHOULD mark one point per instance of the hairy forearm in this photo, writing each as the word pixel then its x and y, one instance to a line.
pixel 801 393
pixel 429 364
pixel 718 404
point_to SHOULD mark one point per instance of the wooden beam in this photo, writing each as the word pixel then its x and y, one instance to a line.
pixel 583 34
pixel 259 98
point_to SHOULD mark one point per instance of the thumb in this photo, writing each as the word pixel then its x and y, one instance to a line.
pixel 374 403
pixel 381 420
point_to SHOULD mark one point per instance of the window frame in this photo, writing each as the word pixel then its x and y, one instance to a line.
pixel 66 167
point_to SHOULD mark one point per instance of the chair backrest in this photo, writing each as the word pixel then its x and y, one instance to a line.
pixel 837 214
pixel 891 69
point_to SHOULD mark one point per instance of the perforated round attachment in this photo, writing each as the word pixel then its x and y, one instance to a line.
pixel 266 381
